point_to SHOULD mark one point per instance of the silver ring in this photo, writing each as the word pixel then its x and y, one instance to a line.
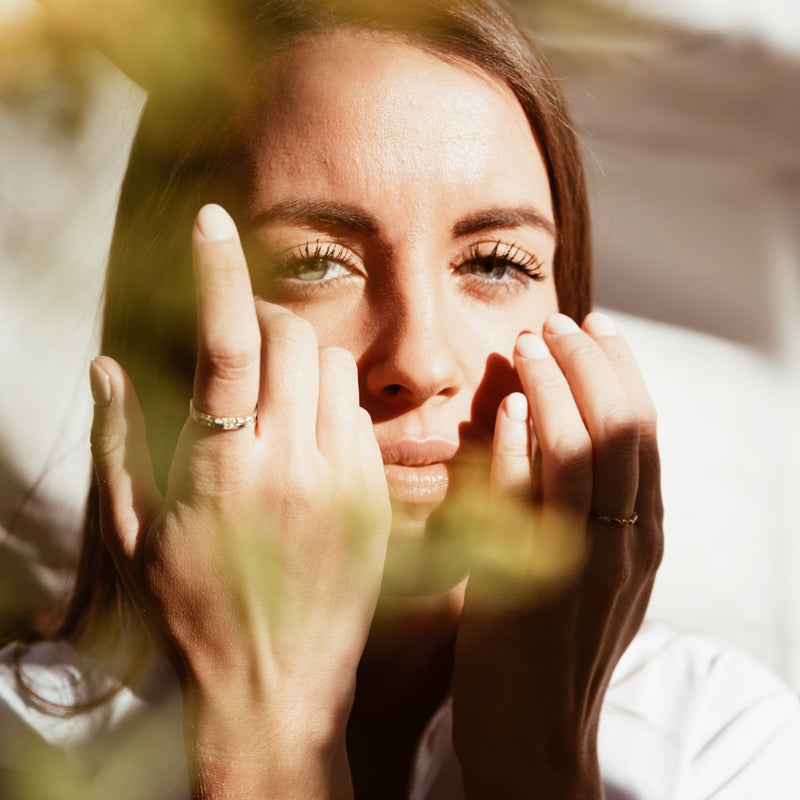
pixel 222 423
pixel 624 521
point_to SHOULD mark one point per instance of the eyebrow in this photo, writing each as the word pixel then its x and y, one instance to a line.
pixel 340 215
pixel 504 218
pixel 336 215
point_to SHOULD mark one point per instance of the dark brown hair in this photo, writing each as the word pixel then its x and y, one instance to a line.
pixel 184 144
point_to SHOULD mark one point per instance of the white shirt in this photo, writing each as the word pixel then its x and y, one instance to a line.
pixel 684 719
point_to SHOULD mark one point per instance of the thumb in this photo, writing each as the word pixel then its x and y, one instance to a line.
pixel 129 497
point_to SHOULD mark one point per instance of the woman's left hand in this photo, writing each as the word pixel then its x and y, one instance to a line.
pixel 531 674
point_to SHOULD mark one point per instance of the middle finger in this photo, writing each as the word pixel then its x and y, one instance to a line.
pixel 289 391
pixel 562 438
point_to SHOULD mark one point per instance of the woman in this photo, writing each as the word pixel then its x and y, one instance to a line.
pixel 403 405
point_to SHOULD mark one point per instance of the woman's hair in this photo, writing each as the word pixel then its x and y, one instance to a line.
pixel 186 154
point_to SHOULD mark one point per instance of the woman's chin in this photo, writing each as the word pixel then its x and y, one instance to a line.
pixel 418 561
pixel 435 508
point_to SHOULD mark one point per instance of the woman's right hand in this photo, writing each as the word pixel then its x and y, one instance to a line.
pixel 258 572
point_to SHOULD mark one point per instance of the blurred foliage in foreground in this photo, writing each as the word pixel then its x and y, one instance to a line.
pixel 52 46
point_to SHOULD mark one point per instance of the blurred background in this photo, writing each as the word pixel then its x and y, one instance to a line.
pixel 690 117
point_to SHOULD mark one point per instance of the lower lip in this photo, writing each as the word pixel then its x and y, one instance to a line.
pixel 417 485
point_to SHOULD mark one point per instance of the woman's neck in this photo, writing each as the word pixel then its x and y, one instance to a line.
pixel 403 678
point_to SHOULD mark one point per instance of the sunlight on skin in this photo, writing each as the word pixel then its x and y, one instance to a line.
pixel 523 558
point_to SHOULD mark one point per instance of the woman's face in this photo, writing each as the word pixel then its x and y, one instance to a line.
pixel 400 203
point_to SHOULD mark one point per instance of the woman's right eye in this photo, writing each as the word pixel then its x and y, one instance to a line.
pixel 313 262
pixel 317 269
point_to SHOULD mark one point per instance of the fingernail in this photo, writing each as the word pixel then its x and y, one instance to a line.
pixel 100 383
pixel 215 223
pixel 597 325
pixel 517 407
pixel 531 346
pixel 560 324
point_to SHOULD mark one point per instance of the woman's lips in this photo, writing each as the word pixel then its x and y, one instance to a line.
pixel 411 485
pixel 416 469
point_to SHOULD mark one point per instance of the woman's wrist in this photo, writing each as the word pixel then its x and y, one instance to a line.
pixel 255 750
pixel 532 770
pixel 550 781
pixel 266 771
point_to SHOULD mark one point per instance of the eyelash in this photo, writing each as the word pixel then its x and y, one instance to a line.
pixel 512 257
pixel 283 264
pixel 509 255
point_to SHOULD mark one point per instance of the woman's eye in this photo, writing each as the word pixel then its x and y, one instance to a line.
pixel 492 268
pixel 502 262
pixel 317 269
pixel 313 262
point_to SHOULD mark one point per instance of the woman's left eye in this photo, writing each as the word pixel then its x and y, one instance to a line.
pixel 502 262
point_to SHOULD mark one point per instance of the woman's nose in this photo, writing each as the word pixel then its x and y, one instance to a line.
pixel 413 357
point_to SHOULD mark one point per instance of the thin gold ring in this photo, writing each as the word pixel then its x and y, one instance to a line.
pixel 222 423
pixel 623 521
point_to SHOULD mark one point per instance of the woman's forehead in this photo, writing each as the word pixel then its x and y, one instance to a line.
pixel 358 113
pixel 362 58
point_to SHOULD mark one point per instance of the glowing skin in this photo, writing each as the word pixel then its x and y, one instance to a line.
pixel 400 204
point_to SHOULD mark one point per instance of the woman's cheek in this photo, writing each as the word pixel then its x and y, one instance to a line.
pixel 499 379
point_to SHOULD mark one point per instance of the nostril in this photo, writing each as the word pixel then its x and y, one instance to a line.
pixel 393 389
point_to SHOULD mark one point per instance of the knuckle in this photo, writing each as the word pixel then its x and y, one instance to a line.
pixel 583 353
pixel 513 450
pixel 337 359
pixel 621 424
pixel 571 453
pixel 622 573
pixel 230 361
pixel 616 575
pixel 550 381
pixel 653 554
pixel 298 495
pixel 299 488
pixel 648 426
pixel 104 445
pixel 292 331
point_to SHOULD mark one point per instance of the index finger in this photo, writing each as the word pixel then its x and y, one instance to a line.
pixel 227 373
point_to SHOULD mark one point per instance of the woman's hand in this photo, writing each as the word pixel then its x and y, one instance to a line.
pixel 258 572
pixel 531 673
